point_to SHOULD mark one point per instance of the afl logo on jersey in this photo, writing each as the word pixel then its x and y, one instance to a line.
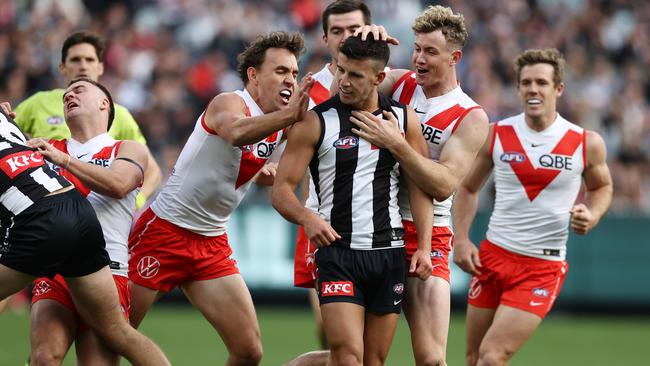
pixel 55 120
pixel 345 143
pixel 513 157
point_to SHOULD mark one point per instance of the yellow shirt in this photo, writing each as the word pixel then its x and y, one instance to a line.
pixel 41 115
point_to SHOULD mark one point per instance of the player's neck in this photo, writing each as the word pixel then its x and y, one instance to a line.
pixel 441 87
pixel 540 123
pixel 370 104
pixel 85 131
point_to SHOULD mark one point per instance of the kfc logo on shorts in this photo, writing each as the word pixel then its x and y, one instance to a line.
pixel 474 288
pixel 148 267
pixel 541 292
pixel 398 288
pixel 337 288
pixel 41 288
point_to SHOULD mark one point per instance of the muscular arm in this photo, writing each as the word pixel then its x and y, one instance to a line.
pixel 464 208
pixel 598 182
pixel 152 176
pixel 116 181
pixel 293 164
pixel 421 207
pixel 227 117
pixel 438 178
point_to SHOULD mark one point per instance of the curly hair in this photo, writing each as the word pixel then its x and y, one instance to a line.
pixel 253 55
pixel 443 18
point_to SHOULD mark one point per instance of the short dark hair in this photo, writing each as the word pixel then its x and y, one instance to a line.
pixel 344 7
pixel 83 37
pixel 549 56
pixel 356 49
pixel 253 55
pixel 111 108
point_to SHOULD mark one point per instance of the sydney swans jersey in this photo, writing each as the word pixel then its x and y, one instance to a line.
pixel 356 183
pixel 41 115
pixel 537 176
pixel 439 117
pixel 115 215
pixel 211 177
pixel 319 93
pixel 24 176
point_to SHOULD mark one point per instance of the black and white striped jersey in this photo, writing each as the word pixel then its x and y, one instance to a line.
pixel 357 182
pixel 24 175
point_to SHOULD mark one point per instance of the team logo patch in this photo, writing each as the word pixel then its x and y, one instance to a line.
pixel 55 120
pixel 337 288
pixel 474 288
pixel 17 163
pixel 541 292
pixel 398 288
pixel 246 148
pixel 513 157
pixel 436 254
pixel 345 143
pixel 148 267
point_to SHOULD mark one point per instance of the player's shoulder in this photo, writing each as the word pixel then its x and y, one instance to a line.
pixel 227 99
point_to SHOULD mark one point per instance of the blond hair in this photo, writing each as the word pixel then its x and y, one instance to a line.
pixel 443 18
pixel 549 56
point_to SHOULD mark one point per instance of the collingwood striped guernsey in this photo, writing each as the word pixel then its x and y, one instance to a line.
pixel 357 183
pixel 25 177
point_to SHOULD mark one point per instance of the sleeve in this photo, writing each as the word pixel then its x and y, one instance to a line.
pixel 125 127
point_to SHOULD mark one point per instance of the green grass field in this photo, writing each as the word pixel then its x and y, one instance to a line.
pixel 189 340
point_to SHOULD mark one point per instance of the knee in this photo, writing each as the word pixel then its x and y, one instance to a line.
pixel 248 354
pixel 45 356
pixel 494 357
pixel 345 356
pixel 471 357
pixel 432 361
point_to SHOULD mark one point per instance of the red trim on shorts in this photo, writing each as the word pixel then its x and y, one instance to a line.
pixel 462 117
pixel 174 228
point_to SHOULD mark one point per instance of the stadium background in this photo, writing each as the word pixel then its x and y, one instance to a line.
pixel 165 59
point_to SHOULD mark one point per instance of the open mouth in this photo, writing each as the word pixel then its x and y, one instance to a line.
pixel 421 71
pixel 71 105
pixel 285 95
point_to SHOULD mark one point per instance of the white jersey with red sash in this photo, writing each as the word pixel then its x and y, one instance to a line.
pixel 211 177
pixel 537 177
pixel 115 215
pixel 439 118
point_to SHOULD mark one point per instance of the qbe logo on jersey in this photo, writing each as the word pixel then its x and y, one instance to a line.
pixel 148 267
pixel 337 288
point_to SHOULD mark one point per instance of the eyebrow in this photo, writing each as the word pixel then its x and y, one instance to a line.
pixel 76 88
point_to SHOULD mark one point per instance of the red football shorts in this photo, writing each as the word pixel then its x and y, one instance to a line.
pixel 163 256
pixel 442 241
pixel 57 289
pixel 522 282
pixel 304 266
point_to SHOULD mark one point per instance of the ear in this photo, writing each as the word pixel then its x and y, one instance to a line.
pixel 101 69
pixel 455 57
pixel 252 74
pixel 61 67
pixel 325 39
pixel 380 77
pixel 560 89
pixel 105 104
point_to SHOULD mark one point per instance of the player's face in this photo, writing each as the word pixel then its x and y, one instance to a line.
pixel 276 79
pixel 538 92
pixel 82 98
pixel 81 61
pixel 432 58
pixel 357 81
pixel 339 28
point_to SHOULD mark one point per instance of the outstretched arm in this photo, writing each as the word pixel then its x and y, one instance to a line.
pixel 438 178
pixel 598 182
pixel 226 115
pixel 293 164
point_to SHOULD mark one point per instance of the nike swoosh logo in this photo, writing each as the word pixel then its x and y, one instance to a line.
pixel 396 302
pixel 534 303
pixel 536 145
pixel 419 112
pixel 82 155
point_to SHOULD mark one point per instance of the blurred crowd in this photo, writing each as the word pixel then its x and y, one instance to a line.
pixel 165 59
